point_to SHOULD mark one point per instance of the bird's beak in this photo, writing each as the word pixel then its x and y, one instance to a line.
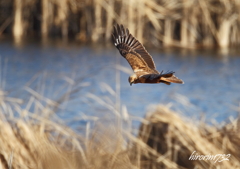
pixel 131 84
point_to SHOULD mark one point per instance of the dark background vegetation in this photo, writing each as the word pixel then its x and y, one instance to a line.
pixel 183 23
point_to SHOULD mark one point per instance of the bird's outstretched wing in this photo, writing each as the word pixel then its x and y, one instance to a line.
pixel 132 50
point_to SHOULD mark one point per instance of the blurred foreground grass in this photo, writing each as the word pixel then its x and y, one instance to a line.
pixel 164 140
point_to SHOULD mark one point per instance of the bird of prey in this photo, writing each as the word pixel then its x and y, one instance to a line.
pixel 139 59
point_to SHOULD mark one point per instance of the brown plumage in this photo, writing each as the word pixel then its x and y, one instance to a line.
pixel 139 59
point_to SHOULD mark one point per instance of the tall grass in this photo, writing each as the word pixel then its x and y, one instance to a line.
pixel 184 23
pixel 176 138
pixel 164 140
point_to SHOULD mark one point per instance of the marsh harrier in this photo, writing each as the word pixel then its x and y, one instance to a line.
pixel 139 59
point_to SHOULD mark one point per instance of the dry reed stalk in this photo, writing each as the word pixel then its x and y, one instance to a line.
pixel 168 32
pixel 225 25
pixel 89 23
pixel 45 19
pixel 18 25
pixel 176 140
pixel 82 34
pixel 123 12
pixel 131 16
pixel 151 6
pixel 97 30
pixel 194 25
pixel 234 35
pixel 110 17
pixel 184 24
pixel 1 165
pixel 207 16
pixel 5 24
pixel 140 21
pixel 62 17
pixel 207 39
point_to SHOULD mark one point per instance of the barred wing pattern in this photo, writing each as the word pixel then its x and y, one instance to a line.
pixel 139 59
pixel 133 51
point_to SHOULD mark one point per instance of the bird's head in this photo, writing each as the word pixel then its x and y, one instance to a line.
pixel 132 79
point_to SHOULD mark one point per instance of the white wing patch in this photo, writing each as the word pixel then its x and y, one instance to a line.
pixel 138 70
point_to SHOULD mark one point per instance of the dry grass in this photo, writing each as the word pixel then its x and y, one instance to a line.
pixel 165 140
pixel 40 143
pixel 184 23
pixel 176 139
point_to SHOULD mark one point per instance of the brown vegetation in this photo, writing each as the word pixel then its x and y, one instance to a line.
pixel 184 23
pixel 174 140
pixel 165 140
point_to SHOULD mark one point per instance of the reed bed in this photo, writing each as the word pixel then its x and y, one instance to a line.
pixel 164 140
pixel 182 23
pixel 178 139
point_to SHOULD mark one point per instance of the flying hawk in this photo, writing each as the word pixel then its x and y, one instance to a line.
pixel 139 59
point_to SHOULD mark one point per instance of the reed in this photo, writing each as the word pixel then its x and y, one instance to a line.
pixel 176 140
pixel 164 140
pixel 183 23
pixel 18 20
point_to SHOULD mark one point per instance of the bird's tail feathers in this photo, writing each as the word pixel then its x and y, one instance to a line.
pixel 170 77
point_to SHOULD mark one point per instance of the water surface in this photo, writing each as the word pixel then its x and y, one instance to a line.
pixel 211 80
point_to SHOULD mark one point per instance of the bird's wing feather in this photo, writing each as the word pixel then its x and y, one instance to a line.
pixel 131 49
pixel 166 78
pixel 137 63
pixel 150 76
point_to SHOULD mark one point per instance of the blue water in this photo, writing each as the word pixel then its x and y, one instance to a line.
pixel 212 80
